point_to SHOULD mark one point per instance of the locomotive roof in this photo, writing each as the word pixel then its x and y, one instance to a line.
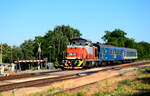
pixel 79 38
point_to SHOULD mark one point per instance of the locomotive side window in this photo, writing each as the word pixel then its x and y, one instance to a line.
pixel 72 53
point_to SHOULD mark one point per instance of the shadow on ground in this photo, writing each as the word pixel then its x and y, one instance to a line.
pixel 143 92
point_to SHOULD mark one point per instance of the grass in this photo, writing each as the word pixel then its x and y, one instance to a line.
pixel 140 86
pixel 1 94
pixel 125 82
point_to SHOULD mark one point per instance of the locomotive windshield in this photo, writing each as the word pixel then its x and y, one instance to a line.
pixel 80 42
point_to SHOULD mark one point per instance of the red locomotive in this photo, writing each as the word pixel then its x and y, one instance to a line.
pixel 82 53
pixel 78 52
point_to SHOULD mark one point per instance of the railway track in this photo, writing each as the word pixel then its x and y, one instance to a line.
pixel 42 82
pixel 35 83
pixel 25 75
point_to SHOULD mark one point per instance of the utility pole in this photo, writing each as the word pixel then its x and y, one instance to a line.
pixel 11 56
pixel 39 50
pixel 1 55
pixel 50 54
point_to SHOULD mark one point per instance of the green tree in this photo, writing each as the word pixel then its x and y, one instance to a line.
pixel 143 50
pixel 16 53
pixel 116 37
pixel 27 48
pixel 6 53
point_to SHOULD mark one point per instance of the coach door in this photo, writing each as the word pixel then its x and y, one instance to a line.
pixel 114 51
pixel 105 54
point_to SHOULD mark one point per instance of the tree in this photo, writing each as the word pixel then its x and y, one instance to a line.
pixel 143 50
pixel 116 37
pixel 6 53
pixel 16 53
pixel 27 49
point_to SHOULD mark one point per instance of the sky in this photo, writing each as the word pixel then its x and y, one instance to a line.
pixel 24 19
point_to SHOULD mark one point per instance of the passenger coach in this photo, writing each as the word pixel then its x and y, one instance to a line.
pixel 112 53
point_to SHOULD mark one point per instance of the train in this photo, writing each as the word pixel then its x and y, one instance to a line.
pixel 82 53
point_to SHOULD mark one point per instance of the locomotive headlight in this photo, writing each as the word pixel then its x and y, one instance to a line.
pixel 78 61
pixel 64 61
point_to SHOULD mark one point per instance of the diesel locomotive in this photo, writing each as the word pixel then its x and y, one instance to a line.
pixel 82 53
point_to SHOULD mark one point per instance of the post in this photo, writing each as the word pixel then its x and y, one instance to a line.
pixel 19 67
pixel 50 53
pixel 11 57
pixel 1 56
pixel 2 69
pixel 39 50
pixel 29 66
pixel 12 67
pixel 45 59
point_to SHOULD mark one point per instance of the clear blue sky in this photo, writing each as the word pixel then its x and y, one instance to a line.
pixel 24 19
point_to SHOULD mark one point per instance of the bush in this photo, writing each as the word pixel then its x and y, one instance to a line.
pixel 81 94
pixel 125 82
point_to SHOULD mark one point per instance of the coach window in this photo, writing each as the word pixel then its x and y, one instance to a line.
pixel 121 52
pixel 125 53
pixel 116 51
pixel 113 51
pixel 109 51
pixel 103 51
